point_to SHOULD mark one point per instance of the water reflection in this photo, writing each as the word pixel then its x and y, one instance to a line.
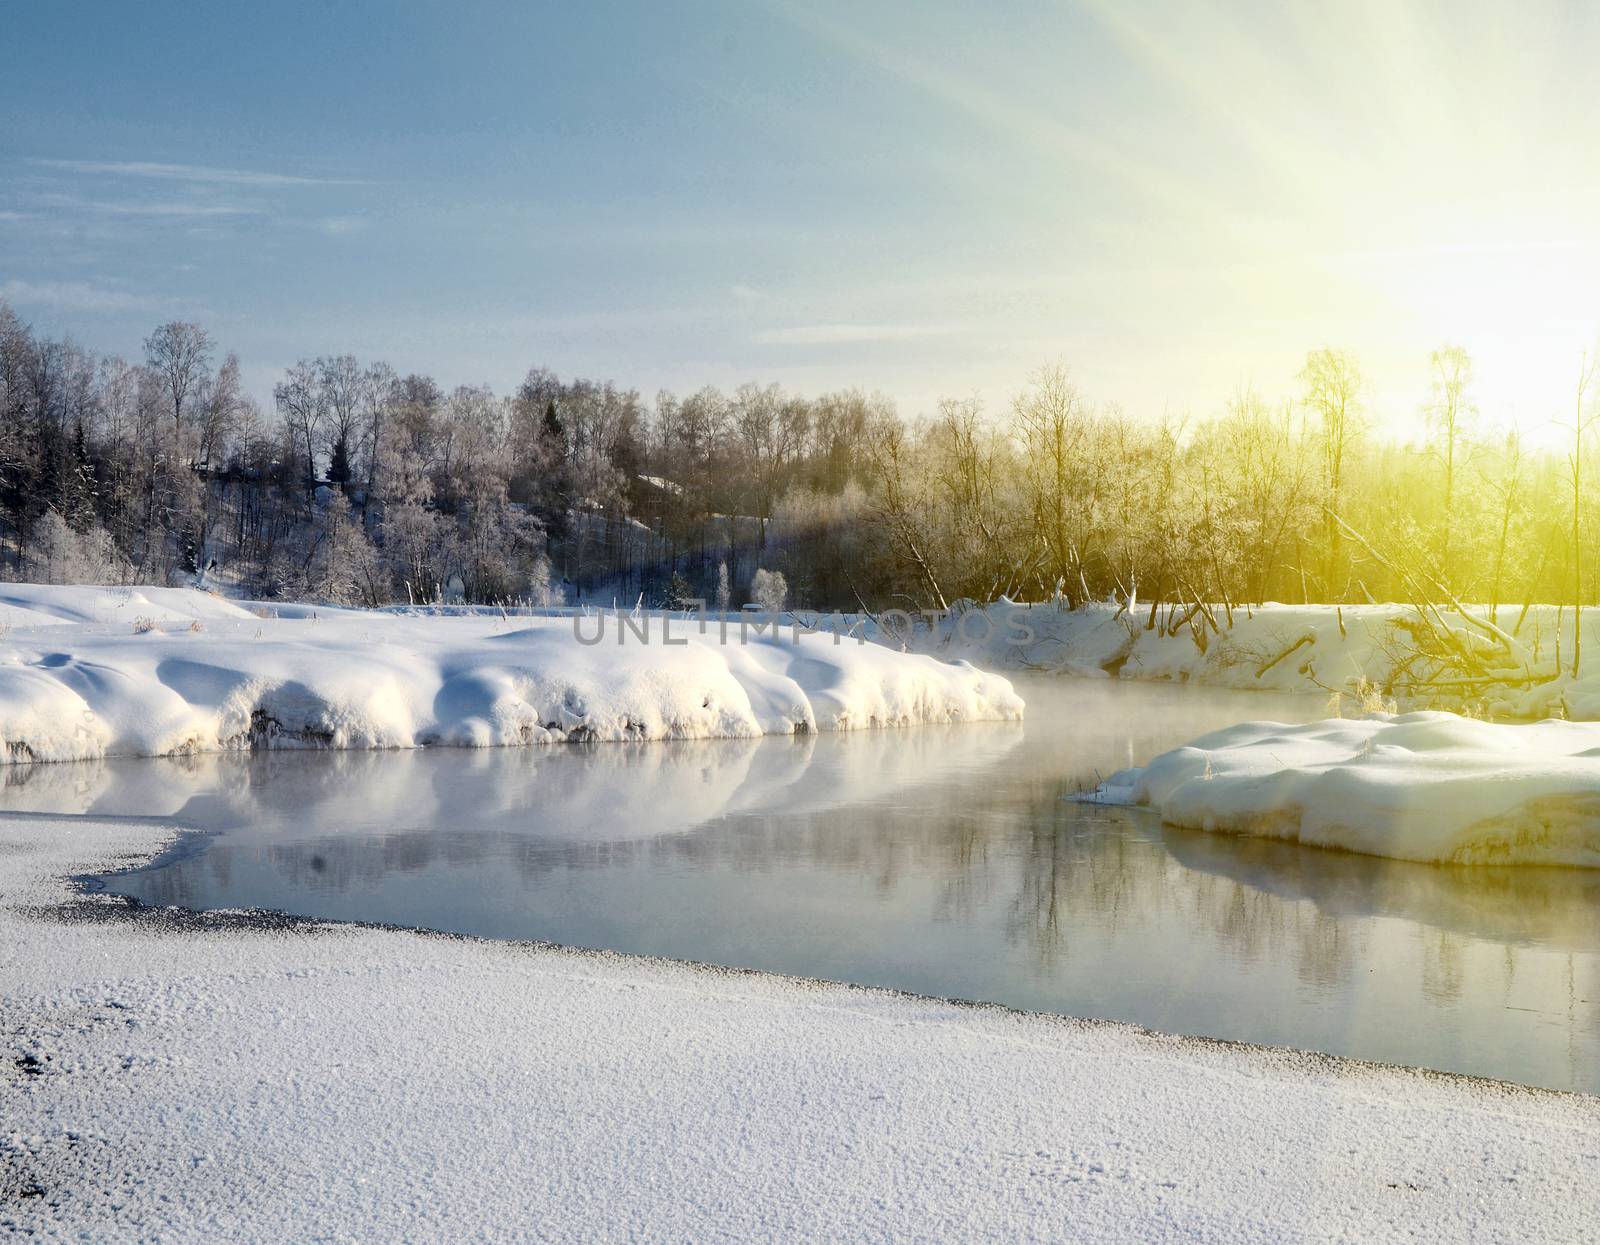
pixel 937 860
pixel 1518 906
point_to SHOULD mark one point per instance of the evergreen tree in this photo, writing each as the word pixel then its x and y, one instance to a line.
pixel 679 593
pixel 553 511
pixel 339 462
pixel 81 490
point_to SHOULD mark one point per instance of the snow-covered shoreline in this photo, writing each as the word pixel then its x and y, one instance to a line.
pixel 1430 787
pixel 480 676
pixel 88 672
pixel 1340 652
pixel 215 1078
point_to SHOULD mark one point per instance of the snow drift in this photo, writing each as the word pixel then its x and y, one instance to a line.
pixel 72 690
pixel 43 605
pixel 1415 786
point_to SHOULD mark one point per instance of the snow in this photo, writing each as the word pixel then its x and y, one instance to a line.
pixel 77 689
pixel 662 483
pixel 40 605
pixel 1321 649
pixel 1416 786
pixel 222 1078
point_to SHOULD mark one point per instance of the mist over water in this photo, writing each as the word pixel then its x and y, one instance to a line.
pixel 938 860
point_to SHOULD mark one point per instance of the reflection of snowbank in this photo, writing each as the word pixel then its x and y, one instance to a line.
pixel 589 794
pixel 361 680
pixel 1420 786
pixel 1516 906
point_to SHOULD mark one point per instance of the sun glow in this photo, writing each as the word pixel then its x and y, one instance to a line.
pixel 1384 177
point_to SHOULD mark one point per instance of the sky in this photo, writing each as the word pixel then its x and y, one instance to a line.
pixel 927 199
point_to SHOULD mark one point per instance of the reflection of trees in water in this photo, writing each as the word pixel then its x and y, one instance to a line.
pixel 1529 912
pixel 971 816
pixel 1071 866
pixel 1442 956
pixel 218 864
pixel 412 810
pixel 1262 901
pixel 1326 950
pixel 968 884
pixel 1511 904
pixel 1422 930
pixel 1063 866
pixel 1105 864
pixel 1035 914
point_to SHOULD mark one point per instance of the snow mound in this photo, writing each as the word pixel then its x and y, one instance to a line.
pixel 37 605
pixel 365 680
pixel 1416 786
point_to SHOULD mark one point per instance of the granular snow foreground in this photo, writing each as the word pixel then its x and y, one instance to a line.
pixel 1416 786
pixel 216 1078
pixel 90 672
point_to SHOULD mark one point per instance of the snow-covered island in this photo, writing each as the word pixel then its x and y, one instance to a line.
pixel 1419 786
pixel 89 672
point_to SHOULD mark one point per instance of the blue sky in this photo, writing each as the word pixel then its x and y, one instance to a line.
pixel 927 198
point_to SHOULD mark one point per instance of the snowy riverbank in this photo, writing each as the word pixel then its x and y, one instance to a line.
pixel 210 1078
pixel 1418 786
pixel 1344 651
pixel 88 672
pixel 442 674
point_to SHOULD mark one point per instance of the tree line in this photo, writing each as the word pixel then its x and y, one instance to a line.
pixel 360 484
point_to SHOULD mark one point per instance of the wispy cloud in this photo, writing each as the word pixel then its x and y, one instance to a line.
pixel 339 226
pixel 178 209
pixel 73 296
pixel 192 173
pixel 843 334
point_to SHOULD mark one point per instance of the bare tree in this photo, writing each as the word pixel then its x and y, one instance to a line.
pixel 898 506
pixel 1450 412
pixel 1332 381
pixel 966 462
pixel 1582 417
pixel 380 394
pixel 224 400
pixel 1054 425
pixel 180 353
pixel 1508 487
pixel 298 397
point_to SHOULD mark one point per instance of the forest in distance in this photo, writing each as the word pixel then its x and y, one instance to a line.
pixel 363 485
